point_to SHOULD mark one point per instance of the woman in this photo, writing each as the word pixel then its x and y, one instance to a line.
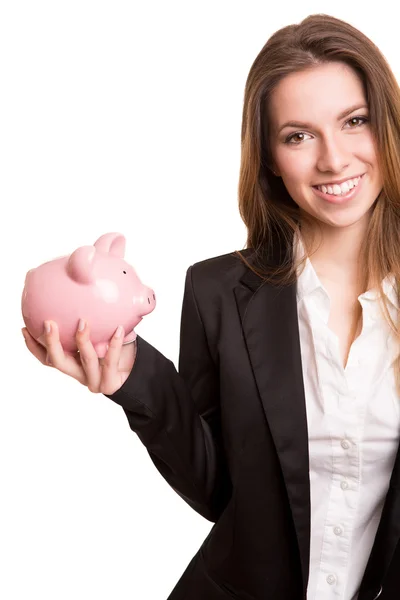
pixel 282 424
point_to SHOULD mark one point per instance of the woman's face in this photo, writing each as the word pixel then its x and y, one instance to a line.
pixel 325 146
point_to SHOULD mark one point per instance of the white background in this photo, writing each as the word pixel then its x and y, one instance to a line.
pixel 115 116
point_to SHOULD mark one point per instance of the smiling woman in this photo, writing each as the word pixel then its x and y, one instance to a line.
pixel 319 192
pixel 281 425
pixel 320 160
pixel 334 151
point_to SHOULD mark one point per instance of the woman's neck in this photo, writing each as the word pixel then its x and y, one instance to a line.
pixel 337 255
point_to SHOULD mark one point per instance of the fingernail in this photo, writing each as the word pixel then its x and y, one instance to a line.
pixel 47 327
pixel 118 331
pixel 24 334
pixel 81 325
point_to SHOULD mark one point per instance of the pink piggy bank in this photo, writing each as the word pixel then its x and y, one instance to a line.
pixel 93 283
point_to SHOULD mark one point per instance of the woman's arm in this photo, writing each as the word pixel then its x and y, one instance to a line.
pixel 177 415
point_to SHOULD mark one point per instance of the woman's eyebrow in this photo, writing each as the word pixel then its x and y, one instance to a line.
pixel 309 125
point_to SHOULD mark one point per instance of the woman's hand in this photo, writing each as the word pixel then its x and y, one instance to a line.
pixel 101 376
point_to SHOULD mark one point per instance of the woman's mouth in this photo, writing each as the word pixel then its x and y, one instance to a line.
pixel 340 198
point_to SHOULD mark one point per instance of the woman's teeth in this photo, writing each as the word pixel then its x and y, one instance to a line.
pixel 339 190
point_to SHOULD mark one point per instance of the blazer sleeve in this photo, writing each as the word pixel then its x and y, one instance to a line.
pixel 176 414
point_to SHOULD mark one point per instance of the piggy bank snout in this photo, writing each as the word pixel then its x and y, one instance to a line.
pixel 147 301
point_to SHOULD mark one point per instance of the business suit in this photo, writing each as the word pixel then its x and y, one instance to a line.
pixel 229 434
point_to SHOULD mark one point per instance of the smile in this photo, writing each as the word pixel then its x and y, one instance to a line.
pixel 338 194
pixel 341 188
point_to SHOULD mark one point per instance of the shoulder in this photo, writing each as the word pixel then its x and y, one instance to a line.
pixel 226 268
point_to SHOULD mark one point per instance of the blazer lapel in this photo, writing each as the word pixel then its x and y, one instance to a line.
pixel 270 327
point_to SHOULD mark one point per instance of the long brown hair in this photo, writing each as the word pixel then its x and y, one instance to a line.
pixel 264 203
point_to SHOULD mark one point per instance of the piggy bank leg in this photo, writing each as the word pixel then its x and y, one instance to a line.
pixel 101 349
pixel 131 337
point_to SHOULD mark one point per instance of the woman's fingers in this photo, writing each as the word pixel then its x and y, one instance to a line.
pixel 104 375
pixel 89 359
pixel 101 375
pixel 110 376
pixel 63 361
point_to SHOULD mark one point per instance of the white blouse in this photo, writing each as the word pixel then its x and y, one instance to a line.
pixel 353 421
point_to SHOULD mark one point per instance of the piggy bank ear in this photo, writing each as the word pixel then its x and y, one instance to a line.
pixel 80 264
pixel 111 243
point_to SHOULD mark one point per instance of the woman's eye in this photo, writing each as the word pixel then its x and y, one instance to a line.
pixel 359 121
pixel 293 136
pixel 362 119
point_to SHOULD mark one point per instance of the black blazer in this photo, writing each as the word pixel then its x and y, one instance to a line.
pixel 228 432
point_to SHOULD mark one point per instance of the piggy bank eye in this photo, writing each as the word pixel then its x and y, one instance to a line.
pixel 124 272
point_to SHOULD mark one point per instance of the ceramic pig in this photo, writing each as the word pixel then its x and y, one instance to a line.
pixel 93 283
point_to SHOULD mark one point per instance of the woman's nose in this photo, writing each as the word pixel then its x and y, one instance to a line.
pixel 333 156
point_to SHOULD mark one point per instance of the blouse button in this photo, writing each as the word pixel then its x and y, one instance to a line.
pixel 344 485
pixel 331 579
pixel 345 444
pixel 338 530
